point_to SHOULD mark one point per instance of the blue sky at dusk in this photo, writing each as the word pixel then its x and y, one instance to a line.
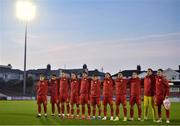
pixel 113 34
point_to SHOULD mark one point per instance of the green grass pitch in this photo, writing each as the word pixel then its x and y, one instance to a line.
pixel 24 113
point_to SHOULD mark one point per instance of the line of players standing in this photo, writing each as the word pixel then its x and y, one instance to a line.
pixel 87 91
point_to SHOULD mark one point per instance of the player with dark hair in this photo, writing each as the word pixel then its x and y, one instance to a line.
pixel 42 91
pixel 162 93
pixel 120 85
pixel 85 94
pixel 64 93
pixel 135 95
pixel 108 86
pixel 74 95
pixel 149 93
pixel 54 93
pixel 95 95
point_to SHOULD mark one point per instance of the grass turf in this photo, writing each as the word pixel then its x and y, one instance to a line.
pixel 24 113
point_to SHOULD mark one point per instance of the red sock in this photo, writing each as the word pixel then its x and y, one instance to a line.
pixel 94 110
pixel 68 108
pixel 139 111
pixel 131 111
pixel 125 111
pixel 105 110
pixel 39 108
pixel 53 107
pixel 117 110
pixel 72 111
pixel 45 108
pixel 112 110
pixel 159 111
pixel 77 109
pixel 83 109
pixel 167 114
pixel 99 110
pixel 89 109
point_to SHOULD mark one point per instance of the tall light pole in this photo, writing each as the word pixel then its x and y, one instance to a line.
pixel 25 48
pixel 25 11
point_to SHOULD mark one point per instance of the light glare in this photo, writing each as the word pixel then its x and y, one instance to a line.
pixel 25 10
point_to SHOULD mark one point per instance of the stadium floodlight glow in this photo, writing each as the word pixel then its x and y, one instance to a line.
pixel 25 10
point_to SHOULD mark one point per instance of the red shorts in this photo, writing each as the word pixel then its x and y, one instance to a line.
pixel 95 100
pixel 63 98
pixel 74 99
pixel 54 99
pixel 135 99
pixel 121 99
pixel 159 100
pixel 84 98
pixel 42 99
pixel 107 100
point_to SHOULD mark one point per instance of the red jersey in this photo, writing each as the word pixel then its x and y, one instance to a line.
pixel 54 87
pixel 135 87
pixel 42 88
pixel 162 86
pixel 108 86
pixel 85 86
pixel 74 87
pixel 120 84
pixel 149 85
pixel 95 88
pixel 64 86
